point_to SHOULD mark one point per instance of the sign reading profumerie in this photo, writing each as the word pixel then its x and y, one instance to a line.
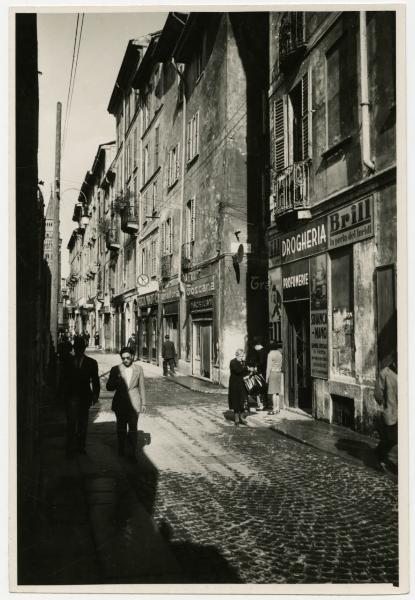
pixel 318 317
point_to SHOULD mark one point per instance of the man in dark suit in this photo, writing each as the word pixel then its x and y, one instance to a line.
pixel 168 353
pixel 129 400
pixel 79 374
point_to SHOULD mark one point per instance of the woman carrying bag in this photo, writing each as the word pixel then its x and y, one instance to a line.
pixel 274 376
pixel 237 394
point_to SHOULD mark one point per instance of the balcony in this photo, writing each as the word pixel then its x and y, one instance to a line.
pixel 187 256
pixel 112 239
pixel 292 189
pixel 165 263
pixel 129 219
pixel 292 39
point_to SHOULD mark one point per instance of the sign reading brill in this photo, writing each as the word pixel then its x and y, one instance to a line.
pixel 351 224
pixel 304 242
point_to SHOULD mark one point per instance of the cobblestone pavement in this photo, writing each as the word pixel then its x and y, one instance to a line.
pixel 246 505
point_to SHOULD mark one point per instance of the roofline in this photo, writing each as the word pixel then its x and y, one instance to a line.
pixel 134 47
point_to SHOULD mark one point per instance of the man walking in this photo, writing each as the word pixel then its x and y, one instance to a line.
pixel 79 373
pixel 168 353
pixel 386 395
pixel 127 380
pixel 132 344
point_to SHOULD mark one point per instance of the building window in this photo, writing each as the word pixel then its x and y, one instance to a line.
pixel 146 153
pixel 153 251
pixel 292 126
pixel 174 165
pixel 341 90
pixel 342 311
pixel 135 148
pixel 167 237
pixel 154 203
pixel 156 147
pixel 192 141
pixel 190 224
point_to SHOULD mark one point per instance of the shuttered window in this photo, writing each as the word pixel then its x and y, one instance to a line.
pixel 279 134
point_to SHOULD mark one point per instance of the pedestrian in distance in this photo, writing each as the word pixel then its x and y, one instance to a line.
pixel 274 376
pixel 386 395
pixel 257 361
pixel 132 344
pixel 96 339
pixel 86 337
pixel 127 380
pixel 168 353
pixel 237 394
pixel 80 389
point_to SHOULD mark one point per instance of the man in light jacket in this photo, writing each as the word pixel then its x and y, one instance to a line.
pixel 129 401
pixel 386 395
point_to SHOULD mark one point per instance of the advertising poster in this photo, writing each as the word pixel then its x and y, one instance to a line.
pixel 318 317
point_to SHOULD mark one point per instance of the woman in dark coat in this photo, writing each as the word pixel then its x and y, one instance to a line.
pixel 237 394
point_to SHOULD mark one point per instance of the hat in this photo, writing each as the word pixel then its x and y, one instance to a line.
pixel 167 336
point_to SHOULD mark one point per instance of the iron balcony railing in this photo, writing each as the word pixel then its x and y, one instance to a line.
pixel 187 256
pixel 165 263
pixel 112 239
pixel 292 188
pixel 129 219
pixel 292 38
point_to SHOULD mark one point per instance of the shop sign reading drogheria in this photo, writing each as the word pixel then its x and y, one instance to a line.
pixel 352 223
pixel 296 281
pixel 201 287
pixel 319 353
pixel 306 241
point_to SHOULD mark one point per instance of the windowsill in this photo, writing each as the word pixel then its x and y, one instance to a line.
pixel 336 147
pixel 150 179
pixel 192 160
pixel 202 74
pixel 171 185
pixel 156 114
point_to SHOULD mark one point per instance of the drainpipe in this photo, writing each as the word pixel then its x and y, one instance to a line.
pixel 367 161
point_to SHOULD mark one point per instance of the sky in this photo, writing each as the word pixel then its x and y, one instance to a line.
pixel 104 40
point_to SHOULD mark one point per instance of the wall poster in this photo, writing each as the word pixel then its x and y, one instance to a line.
pixel 319 358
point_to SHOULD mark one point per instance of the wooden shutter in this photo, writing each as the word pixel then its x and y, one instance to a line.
pixel 192 220
pixel 197 133
pixel 189 140
pixel 163 237
pixel 177 161
pixel 171 236
pixel 306 116
pixel 279 134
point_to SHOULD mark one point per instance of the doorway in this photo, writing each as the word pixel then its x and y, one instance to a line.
pixel 202 349
pixel 299 378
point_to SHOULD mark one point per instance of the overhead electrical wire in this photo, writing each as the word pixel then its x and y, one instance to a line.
pixel 72 78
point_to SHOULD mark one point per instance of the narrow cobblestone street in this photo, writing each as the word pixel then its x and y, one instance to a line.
pixel 238 505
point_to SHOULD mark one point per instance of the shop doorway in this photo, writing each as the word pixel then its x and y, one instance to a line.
pixel 299 378
pixel 202 349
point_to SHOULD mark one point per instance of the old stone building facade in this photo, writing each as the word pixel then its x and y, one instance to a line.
pixel 332 239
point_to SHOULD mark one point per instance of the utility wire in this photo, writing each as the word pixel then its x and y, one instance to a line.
pixel 75 57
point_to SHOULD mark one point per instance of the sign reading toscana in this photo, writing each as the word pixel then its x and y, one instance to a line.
pixel 306 241
pixel 201 287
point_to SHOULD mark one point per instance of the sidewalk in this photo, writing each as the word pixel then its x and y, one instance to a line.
pixel 340 441
pixel 90 526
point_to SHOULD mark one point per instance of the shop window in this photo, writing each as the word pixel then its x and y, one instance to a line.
pixel 342 312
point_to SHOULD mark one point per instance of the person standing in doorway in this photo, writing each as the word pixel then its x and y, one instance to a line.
pixel 237 394
pixel 86 337
pixel 80 388
pixel 257 359
pixel 127 380
pixel 274 376
pixel 168 353
pixel 386 395
pixel 132 344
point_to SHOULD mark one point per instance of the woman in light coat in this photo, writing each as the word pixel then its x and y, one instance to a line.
pixel 274 376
